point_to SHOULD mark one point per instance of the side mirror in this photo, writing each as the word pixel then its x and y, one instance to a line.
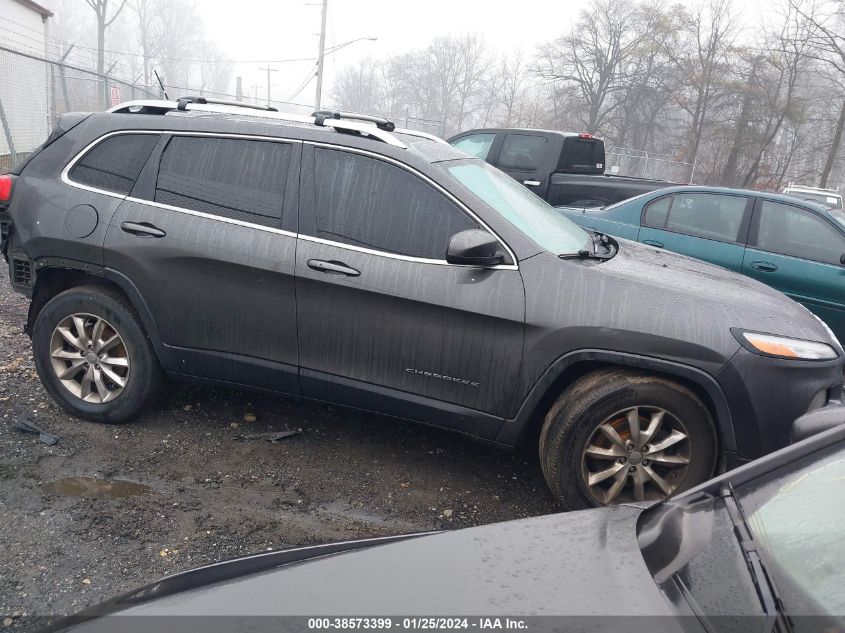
pixel 842 259
pixel 817 422
pixel 474 247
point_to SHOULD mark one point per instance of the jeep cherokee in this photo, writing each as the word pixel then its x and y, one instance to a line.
pixel 336 258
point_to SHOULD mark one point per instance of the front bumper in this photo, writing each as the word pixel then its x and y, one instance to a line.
pixel 766 395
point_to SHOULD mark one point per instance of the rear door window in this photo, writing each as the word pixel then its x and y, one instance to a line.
pixel 239 179
pixel 788 230
pixel 477 145
pixel 522 152
pixel 706 215
pixel 114 164
pixel 373 204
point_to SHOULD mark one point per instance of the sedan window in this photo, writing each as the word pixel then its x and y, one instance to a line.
pixel 789 230
pixel 707 215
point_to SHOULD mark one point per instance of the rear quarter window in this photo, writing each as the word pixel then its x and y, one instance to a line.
pixel 114 163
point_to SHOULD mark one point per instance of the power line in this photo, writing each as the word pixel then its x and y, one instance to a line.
pixel 170 59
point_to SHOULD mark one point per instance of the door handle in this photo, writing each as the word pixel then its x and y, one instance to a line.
pixel 332 268
pixel 656 243
pixel 765 267
pixel 142 229
pixel 531 183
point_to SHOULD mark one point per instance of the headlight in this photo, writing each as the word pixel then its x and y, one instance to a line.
pixel 784 347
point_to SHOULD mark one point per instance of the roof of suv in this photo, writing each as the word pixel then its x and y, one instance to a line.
pixel 246 118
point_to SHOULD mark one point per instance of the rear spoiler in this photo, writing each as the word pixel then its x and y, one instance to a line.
pixel 64 124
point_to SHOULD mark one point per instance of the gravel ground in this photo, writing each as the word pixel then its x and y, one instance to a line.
pixel 213 496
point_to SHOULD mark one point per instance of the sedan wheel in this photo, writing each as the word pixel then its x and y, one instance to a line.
pixel 638 454
pixel 90 358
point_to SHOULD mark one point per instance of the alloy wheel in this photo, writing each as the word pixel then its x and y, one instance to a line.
pixel 90 358
pixel 637 454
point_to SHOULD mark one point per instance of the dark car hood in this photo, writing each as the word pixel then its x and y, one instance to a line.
pixel 578 563
pixel 647 301
pixel 741 301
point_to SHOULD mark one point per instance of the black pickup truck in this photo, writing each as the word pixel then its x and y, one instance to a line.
pixel 563 168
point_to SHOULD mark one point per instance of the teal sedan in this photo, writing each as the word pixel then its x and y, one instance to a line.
pixel 795 246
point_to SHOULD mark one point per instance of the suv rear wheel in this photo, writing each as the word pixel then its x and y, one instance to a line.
pixel 93 356
pixel 616 436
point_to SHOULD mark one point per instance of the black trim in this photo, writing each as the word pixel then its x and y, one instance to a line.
pixel 245 372
pixel 513 429
pixel 399 404
pixel 738 335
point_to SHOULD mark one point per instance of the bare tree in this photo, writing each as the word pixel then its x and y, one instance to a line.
pixel 101 9
pixel 710 31
pixel 359 88
pixel 509 92
pixel 593 57
pixel 828 20
pixel 147 12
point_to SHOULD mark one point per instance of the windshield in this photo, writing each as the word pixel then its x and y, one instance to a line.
pixel 528 213
pixel 798 518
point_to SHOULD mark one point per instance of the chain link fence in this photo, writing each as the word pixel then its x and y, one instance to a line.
pixel 35 89
pixel 624 161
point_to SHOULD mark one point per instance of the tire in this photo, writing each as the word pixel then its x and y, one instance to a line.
pixel 606 398
pixel 130 360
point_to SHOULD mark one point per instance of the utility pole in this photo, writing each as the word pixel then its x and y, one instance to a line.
pixel 269 70
pixel 321 56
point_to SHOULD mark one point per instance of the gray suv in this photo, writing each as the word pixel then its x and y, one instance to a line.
pixel 336 258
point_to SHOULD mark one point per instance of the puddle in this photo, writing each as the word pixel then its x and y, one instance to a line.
pixel 93 488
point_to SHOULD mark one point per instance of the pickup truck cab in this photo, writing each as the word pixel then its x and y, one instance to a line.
pixel 563 168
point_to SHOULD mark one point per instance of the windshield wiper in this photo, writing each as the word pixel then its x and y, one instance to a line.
pixel 596 240
pixel 766 588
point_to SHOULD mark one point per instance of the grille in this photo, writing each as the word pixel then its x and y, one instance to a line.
pixel 22 271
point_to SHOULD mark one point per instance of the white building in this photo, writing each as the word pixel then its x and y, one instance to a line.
pixel 25 82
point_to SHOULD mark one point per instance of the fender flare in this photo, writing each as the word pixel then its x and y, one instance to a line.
pixel 124 284
pixel 143 310
pixel 513 429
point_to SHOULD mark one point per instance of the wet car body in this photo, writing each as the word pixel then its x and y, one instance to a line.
pixel 630 566
pixel 284 307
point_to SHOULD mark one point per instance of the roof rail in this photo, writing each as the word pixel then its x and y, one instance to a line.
pixel 184 101
pixel 426 135
pixel 320 117
pixel 362 126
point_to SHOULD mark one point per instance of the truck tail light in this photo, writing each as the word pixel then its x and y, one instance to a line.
pixel 585 135
pixel 5 188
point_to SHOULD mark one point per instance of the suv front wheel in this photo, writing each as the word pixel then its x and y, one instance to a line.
pixel 93 356
pixel 616 436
